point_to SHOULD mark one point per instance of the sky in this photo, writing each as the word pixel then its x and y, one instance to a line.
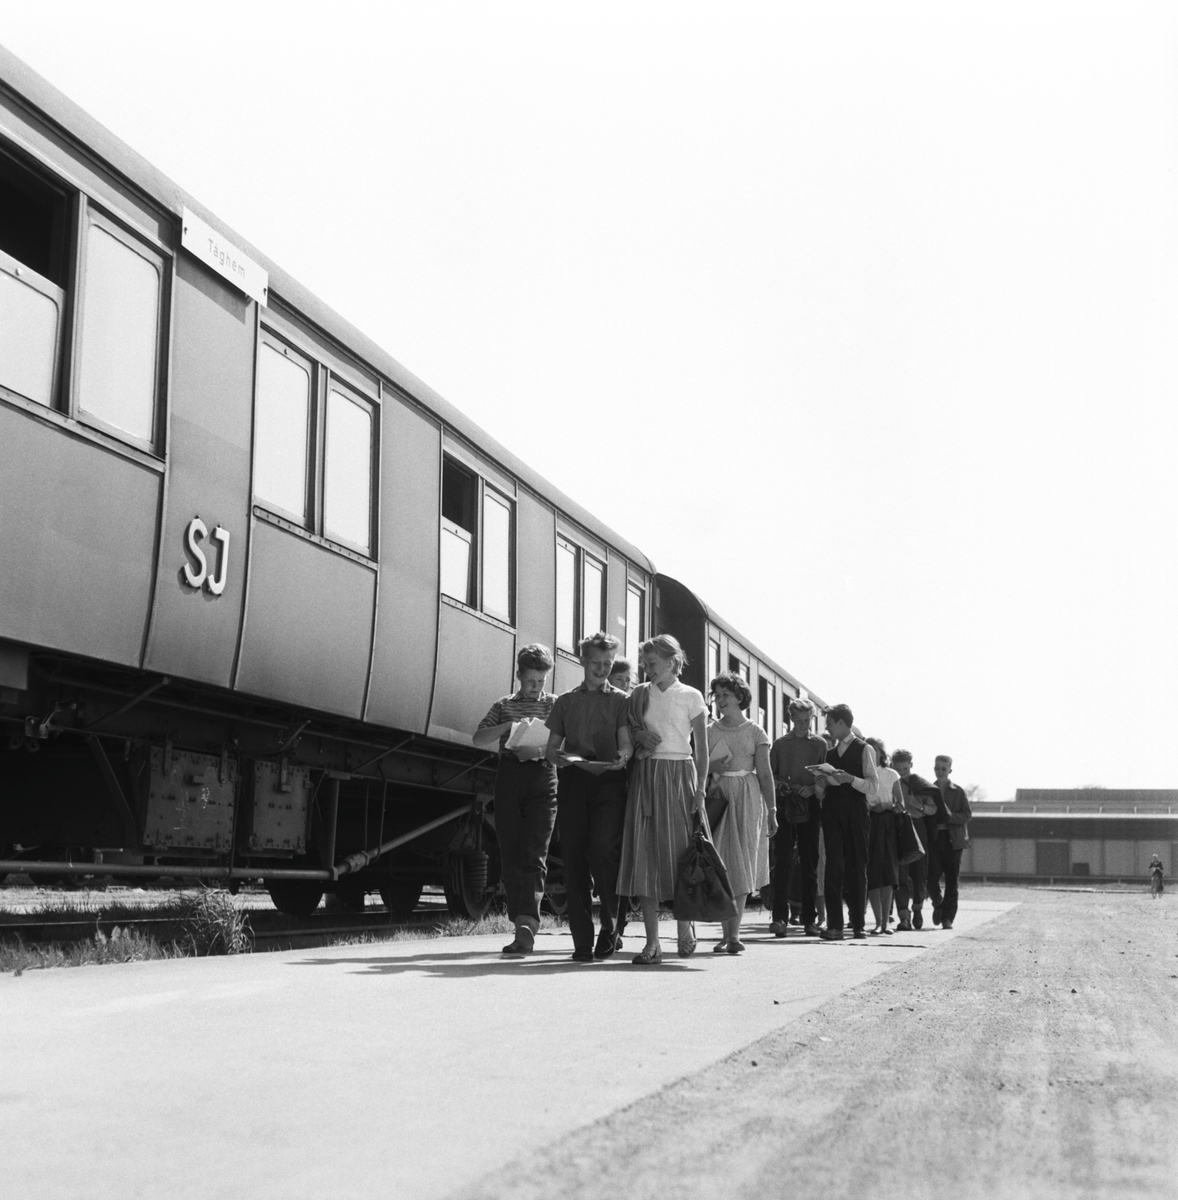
pixel 859 319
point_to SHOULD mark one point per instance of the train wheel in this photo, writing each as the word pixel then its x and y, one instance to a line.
pixel 400 896
pixel 295 897
pixel 465 884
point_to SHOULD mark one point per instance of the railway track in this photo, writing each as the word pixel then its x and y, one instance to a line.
pixel 269 930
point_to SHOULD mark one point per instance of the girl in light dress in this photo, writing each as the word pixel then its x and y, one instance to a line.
pixel 669 726
pixel 739 762
pixel 883 855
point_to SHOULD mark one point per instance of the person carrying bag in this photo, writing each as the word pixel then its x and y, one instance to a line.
pixel 702 890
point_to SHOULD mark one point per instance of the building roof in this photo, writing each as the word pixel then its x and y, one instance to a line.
pixel 1119 801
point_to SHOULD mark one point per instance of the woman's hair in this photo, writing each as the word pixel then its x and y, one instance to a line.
pixel 665 646
pixel 598 641
pixel 881 751
pixel 730 681
pixel 534 658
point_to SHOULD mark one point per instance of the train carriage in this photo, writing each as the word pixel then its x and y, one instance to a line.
pixel 258 583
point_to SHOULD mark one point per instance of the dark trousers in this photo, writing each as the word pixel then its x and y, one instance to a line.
pixel 525 815
pixel 590 816
pixel 913 884
pixel 845 828
pixel 804 837
pixel 944 861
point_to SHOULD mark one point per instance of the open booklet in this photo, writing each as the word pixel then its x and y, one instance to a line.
pixel 530 732
pixel 822 769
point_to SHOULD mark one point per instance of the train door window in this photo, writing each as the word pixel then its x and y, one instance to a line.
pixel 33 237
pixel 635 614
pixel 566 596
pixel 593 596
pixel 478 552
pixel 497 555
pixel 765 704
pixel 347 470
pixel 281 437
pixel 459 531
pixel 118 369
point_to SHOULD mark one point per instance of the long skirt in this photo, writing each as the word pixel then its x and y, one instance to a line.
pixel 741 834
pixel 883 856
pixel 659 821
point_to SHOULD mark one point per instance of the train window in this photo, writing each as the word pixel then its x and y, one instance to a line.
pixel 740 668
pixel 347 470
pixel 283 419
pixel 32 282
pixel 714 656
pixel 635 614
pixel 593 595
pixel 766 705
pixel 467 500
pixel 459 526
pixel 566 596
pixel 496 555
pixel 122 287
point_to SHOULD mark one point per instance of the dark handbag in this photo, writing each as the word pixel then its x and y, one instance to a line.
pixel 702 890
pixel 791 806
pixel 908 840
pixel 715 805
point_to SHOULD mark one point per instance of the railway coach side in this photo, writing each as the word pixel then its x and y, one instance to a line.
pixel 259 581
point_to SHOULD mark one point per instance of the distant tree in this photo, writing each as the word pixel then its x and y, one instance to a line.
pixel 975 793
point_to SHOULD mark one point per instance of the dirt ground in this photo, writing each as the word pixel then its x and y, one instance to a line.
pixel 1035 1057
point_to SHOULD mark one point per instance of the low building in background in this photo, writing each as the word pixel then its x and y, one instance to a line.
pixel 1103 834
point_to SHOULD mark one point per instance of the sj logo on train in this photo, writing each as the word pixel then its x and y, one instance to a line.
pixel 200 575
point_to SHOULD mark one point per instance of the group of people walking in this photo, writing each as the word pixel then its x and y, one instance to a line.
pixel 627 771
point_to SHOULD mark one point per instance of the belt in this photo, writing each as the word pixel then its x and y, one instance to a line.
pixel 734 774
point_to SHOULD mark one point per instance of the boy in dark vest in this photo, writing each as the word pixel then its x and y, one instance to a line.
pixel 846 824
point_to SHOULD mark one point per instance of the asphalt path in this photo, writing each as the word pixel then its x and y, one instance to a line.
pixel 409 1069
pixel 1033 1058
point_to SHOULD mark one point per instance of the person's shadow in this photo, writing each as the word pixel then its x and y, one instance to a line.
pixel 472 963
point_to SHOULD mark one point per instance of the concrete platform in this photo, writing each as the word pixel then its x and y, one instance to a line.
pixel 406 1069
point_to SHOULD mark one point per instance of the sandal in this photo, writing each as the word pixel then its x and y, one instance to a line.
pixel 648 957
pixel 687 947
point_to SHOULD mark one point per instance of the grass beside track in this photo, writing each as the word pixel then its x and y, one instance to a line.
pixel 209 921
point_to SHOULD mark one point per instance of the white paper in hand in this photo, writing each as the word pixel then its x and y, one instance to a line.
pixel 529 733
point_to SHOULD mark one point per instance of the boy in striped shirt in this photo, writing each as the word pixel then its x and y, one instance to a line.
pixel 525 795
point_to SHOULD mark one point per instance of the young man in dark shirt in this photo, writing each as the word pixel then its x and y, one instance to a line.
pixel 589 740
pixel 799 817
pixel 952 825
pixel 919 805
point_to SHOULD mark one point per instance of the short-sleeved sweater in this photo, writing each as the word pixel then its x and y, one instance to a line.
pixel 517 708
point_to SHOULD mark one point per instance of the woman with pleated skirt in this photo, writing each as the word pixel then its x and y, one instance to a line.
pixel 668 722
pixel 739 762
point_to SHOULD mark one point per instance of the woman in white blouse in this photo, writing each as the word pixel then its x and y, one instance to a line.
pixel 666 787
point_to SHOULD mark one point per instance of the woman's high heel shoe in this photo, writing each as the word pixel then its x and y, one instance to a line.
pixel 648 957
